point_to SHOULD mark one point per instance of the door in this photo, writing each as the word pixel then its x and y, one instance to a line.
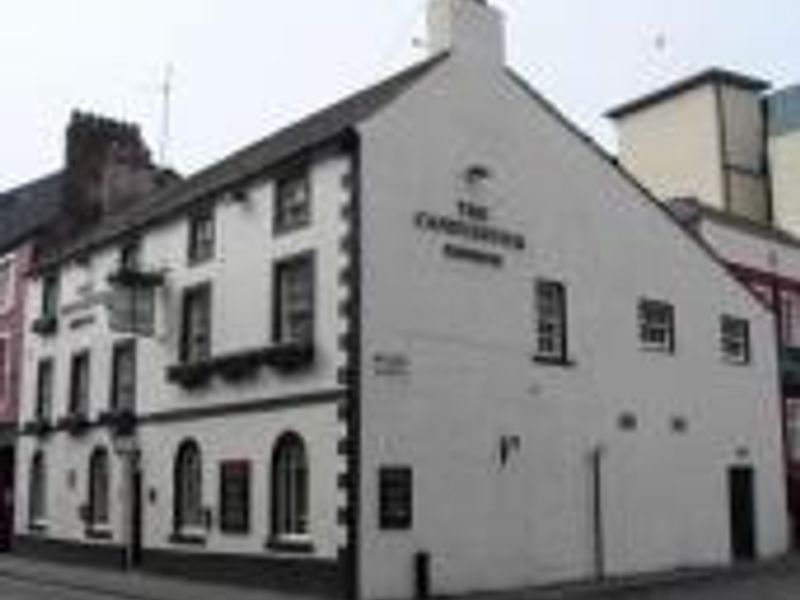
pixel 741 489
pixel 6 497
pixel 136 518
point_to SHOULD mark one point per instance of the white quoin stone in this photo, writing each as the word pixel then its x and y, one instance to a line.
pixel 468 29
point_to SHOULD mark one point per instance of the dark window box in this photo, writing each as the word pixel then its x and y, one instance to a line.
pixel 190 375
pixel 136 278
pixel 240 365
pixel 45 325
pixel 187 539
pixel 289 356
pixel 97 532
pixel 289 546
pixel 39 427
pixel 75 423
pixel 121 421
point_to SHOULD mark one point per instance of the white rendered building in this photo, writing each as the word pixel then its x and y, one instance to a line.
pixel 429 340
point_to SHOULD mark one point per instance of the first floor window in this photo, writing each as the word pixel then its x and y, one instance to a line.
pixel 793 426
pixel 234 501
pixel 395 497
pixel 294 299
pixel 657 325
pixel 6 283
pixel 551 320
pixel 188 487
pixel 44 389
pixel 201 237
pixel 292 201
pixel 99 487
pixel 37 500
pixel 735 340
pixel 5 369
pixel 790 318
pixel 123 376
pixel 289 487
pixel 196 334
pixel 79 384
pixel 50 292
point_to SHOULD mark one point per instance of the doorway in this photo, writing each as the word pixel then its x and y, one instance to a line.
pixel 741 490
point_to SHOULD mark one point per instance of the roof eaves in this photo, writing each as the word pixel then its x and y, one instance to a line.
pixel 315 130
pixel 627 175
pixel 708 77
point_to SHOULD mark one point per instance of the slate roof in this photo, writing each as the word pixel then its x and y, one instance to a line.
pixel 253 160
pixel 27 208
pixel 709 76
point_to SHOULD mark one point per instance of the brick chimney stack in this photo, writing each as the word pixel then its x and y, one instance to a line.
pixel 108 166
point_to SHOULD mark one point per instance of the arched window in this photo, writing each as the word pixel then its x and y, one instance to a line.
pixel 188 487
pixel 99 487
pixel 37 502
pixel 289 487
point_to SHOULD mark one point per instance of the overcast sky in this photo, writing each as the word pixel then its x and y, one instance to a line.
pixel 245 67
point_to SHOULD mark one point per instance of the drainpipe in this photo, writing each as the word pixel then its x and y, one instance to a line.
pixel 598 521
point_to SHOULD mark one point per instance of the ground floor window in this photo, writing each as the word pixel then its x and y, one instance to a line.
pixel 188 486
pixel 289 488
pixel 99 487
pixel 793 426
pixel 395 497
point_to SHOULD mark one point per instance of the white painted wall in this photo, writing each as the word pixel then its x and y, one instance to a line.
pixel 241 275
pixel 468 334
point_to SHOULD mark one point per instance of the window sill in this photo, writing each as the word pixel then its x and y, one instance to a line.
pixel 38 527
pixel 188 538
pixel 658 350
pixel 286 229
pixel 735 362
pixel 290 545
pixel 554 361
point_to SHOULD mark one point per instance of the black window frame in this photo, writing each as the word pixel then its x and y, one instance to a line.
pixel 743 358
pixel 117 355
pixel 395 497
pixel 645 323
pixel 194 294
pixel 281 267
pixel 77 405
pixel 45 371
pixel 283 220
pixel 559 320
pixel 130 255
pixel 201 248
pixel 235 485
pixel 50 292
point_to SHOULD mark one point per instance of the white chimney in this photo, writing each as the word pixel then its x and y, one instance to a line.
pixel 468 29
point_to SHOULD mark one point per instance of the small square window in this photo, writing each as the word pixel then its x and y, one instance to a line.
pixel 735 340
pixel 292 201
pixel 396 498
pixel 657 326
pixel 201 237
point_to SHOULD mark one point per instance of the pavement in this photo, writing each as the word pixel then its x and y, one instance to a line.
pixel 27 579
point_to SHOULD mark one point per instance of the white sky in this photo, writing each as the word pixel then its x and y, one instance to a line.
pixel 246 67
